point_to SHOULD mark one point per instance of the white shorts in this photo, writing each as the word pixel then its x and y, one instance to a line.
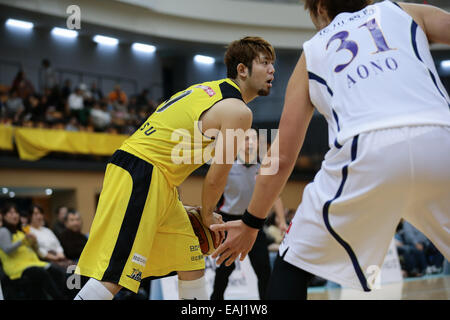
pixel 349 213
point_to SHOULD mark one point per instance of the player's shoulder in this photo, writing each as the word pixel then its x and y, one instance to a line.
pixel 232 107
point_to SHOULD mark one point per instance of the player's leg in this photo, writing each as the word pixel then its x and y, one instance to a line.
pixel 115 253
pixel 222 272
pixel 176 247
pixel 348 215
pixel 192 285
pixel 221 281
pixel 287 282
pixel 98 290
pixel 429 210
pixel 260 261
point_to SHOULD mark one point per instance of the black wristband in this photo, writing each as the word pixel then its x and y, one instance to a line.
pixel 252 221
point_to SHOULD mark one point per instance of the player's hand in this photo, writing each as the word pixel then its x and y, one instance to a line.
pixel 240 240
pixel 214 219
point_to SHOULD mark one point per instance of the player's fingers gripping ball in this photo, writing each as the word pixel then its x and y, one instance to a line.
pixel 206 237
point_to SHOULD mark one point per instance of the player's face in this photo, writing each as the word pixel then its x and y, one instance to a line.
pixel 262 74
pixel 251 147
pixel 249 150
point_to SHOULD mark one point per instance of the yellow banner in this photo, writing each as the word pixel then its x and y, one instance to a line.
pixel 6 137
pixel 33 144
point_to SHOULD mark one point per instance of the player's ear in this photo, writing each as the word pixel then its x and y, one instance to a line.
pixel 321 10
pixel 242 70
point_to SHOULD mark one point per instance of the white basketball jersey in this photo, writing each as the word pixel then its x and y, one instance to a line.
pixel 372 70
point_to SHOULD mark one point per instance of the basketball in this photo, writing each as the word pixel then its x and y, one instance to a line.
pixel 205 236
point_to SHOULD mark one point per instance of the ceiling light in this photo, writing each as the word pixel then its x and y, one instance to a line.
pixel 204 59
pixel 106 40
pixel 19 24
pixel 143 47
pixel 66 33
pixel 445 64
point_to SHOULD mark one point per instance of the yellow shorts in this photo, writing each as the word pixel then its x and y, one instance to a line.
pixel 140 229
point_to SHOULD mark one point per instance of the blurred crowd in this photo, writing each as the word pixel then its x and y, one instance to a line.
pixel 37 260
pixel 418 255
pixel 71 107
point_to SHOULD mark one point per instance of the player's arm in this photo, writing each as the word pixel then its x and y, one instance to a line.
pixel 434 21
pixel 297 113
pixel 233 116
pixel 294 122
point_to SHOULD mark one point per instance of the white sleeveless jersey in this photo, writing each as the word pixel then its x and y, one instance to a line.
pixel 371 70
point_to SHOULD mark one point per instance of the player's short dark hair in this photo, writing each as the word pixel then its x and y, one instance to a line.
pixel 334 7
pixel 245 51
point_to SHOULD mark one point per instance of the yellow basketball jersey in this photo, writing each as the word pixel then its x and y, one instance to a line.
pixel 171 138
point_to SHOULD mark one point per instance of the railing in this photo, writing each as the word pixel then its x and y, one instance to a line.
pixel 130 86
pixel 9 69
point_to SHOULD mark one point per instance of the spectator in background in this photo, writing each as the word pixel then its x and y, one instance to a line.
pixel 3 99
pixel 75 105
pixel 24 219
pixel 20 261
pixel 72 240
pixel 22 85
pixel 72 125
pixel 95 92
pixel 413 261
pixel 47 76
pixel 33 109
pixel 418 240
pixel 274 228
pixel 142 99
pixel 118 96
pixel 100 117
pixel 58 225
pixel 66 90
pixel 49 248
pixel 53 114
pixel 13 106
pixel 75 101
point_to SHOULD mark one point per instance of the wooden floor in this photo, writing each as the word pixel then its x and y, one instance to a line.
pixel 426 288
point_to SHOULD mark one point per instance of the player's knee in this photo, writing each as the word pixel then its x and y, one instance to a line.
pixel 191 275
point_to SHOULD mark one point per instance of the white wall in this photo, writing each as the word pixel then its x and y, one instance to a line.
pixel 208 21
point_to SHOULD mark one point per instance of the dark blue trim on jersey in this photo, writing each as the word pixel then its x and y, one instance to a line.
pixel 313 76
pixel 326 212
pixel 336 143
pixel 435 83
pixel 414 27
pixel 397 5
pixel 336 118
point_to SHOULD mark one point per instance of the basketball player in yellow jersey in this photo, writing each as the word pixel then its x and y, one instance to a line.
pixel 141 228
